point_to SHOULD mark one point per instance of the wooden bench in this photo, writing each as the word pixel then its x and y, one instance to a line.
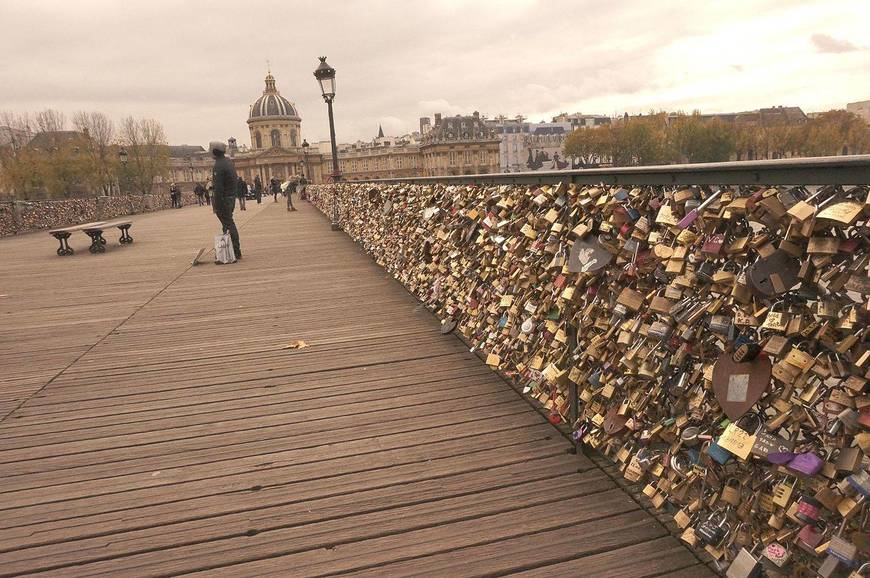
pixel 93 230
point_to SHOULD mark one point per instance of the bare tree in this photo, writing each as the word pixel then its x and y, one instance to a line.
pixel 99 132
pixel 147 150
pixel 18 174
pixel 50 120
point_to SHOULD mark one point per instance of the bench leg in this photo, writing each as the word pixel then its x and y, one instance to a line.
pixel 125 234
pixel 98 243
pixel 64 248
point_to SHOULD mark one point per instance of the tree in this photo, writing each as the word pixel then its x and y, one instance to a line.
pixel 147 150
pixel 17 162
pixel 643 140
pixel 836 132
pixel 50 120
pixel 100 131
pixel 583 144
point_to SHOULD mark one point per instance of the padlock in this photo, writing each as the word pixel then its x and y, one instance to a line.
pixel 713 530
pixel 810 536
pixel 777 554
pixel 842 549
pixel 745 565
pixel 782 492
pixel 808 509
pixel 731 492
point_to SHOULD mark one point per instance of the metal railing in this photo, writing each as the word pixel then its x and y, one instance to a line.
pixel 839 170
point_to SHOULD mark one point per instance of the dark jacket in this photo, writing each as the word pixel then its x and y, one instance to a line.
pixel 241 188
pixel 224 180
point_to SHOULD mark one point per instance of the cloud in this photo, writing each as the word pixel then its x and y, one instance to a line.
pixel 829 44
pixel 398 60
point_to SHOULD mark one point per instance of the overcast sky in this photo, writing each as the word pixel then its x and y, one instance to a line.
pixel 197 66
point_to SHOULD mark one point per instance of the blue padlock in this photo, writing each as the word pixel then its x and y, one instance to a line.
pixel 718 454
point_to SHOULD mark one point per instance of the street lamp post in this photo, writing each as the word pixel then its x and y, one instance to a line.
pixel 122 156
pixel 325 75
pixel 305 171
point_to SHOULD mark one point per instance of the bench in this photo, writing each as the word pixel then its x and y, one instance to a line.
pixel 93 230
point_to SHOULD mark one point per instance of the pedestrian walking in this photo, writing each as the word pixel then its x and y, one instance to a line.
pixel 207 192
pixel 241 192
pixel 289 189
pixel 303 186
pixel 275 187
pixel 199 191
pixel 224 186
pixel 258 189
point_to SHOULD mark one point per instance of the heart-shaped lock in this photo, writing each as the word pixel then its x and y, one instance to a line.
pixel 738 386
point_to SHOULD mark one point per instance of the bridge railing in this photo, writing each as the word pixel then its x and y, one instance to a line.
pixel 839 170
pixel 703 326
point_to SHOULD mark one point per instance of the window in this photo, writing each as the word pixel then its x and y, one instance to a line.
pixel 292 137
pixel 468 157
pixel 452 158
pixel 258 139
pixel 276 138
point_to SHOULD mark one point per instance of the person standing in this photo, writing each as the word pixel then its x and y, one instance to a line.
pixel 289 190
pixel 241 192
pixel 258 189
pixel 174 196
pixel 207 192
pixel 276 188
pixel 199 191
pixel 303 185
pixel 224 185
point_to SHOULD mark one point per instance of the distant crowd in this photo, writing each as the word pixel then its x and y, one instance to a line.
pixel 246 191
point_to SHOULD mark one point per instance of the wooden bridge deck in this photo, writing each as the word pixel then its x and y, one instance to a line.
pixel 153 422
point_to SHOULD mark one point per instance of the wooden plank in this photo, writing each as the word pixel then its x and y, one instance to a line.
pixel 314 497
pixel 183 548
pixel 649 558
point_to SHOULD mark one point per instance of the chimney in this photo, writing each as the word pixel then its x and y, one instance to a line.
pixel 437 118
pixel 424 124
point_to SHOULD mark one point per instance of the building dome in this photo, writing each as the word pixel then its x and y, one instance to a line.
pixel 272 104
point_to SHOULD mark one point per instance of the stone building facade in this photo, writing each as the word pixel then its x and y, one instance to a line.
pixel 382 158
pixel 530 146
pixel 459 145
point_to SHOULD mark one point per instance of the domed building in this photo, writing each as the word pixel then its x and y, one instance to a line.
pixel 276 141
pixel 273 121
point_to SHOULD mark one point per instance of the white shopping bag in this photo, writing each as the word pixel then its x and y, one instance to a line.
pixel 223 250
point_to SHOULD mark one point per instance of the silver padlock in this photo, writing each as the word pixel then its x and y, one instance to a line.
pixel 745 564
